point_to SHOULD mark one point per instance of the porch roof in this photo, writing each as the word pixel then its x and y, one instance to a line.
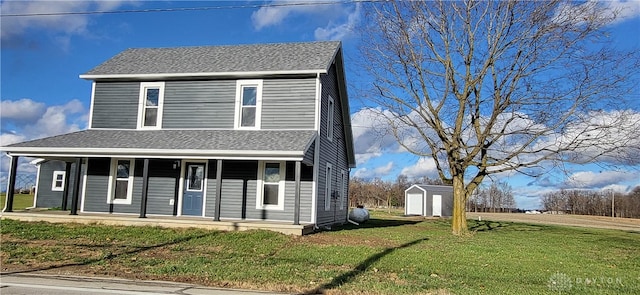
pixel 284 144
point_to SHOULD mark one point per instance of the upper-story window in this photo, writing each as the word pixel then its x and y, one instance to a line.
pixel 330 108
pixel 248 104
pixel 150 105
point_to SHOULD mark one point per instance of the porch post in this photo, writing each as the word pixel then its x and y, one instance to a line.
pixel 145 189
pixel 67 182
pixel 216 211
pixel 76 187
pixel 12 183
pixel 296 204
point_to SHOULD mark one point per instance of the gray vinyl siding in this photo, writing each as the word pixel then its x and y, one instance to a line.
pixel 95 194
pixel 239 193
pixel 210 205
pixel 47 198
pixel 333 152
pixel 199 104
pixel 97 186
pixel 163 180
pixel 115 105
pixel 239 181
pixel 288 103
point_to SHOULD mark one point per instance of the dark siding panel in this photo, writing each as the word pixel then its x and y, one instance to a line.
pixel 95 199
pixel 333 152
pixel 239 180
pixel 46 197
pixel 309 156
pixel 211 189
pixel 115 105
pixel 162 186
pixel 199 104
pixel 288 103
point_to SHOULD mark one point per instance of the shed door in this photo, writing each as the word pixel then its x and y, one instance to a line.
pixel 414 204
pixel 437 205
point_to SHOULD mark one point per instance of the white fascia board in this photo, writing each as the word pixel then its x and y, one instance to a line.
pixel 137 153
pixel 417 186
pixel 211 74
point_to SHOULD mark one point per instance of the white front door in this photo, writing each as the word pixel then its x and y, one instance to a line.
pixel 437 205
pixel 414 204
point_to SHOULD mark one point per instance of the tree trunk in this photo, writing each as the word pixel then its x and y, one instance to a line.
pixel 459 220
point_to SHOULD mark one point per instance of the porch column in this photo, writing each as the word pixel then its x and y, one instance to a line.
pixel 12 183
pixel 76 187
pixel 67 182
pixel 296 204
pixel 216 211
pixel 145 189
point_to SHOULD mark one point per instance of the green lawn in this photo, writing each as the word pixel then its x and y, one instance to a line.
pixel 20 201
pixel 388 255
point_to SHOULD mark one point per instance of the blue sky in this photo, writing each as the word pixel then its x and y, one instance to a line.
pixel 42 56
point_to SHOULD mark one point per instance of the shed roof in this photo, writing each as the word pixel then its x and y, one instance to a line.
pixel 276 58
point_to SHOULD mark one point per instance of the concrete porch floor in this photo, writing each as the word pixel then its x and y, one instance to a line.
pixel 161 221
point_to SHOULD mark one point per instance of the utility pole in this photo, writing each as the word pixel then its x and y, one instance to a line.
pixel 613 203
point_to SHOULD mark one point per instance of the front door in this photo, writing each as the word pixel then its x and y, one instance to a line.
pixel 193 189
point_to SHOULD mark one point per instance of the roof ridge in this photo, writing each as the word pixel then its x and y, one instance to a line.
pixel 238 45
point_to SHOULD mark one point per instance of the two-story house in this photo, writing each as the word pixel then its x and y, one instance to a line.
pixel 244 132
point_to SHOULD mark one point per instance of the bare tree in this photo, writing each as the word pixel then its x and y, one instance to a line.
pixel 494 86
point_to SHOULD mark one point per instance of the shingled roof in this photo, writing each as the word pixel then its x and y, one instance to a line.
pixel 277 58
pixel 210 143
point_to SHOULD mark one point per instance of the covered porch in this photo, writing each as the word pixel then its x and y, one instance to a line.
pixel 56 216
pixel 89 158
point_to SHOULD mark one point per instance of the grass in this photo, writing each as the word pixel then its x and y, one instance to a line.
pixel 388 255
pixel 20 201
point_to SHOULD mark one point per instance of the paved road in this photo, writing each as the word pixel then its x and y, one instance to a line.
pixel 32 284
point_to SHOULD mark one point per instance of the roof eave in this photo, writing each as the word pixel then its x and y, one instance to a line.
pixel 160 76
pixel 156 153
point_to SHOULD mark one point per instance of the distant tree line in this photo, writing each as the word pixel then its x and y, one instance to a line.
pixel 593 202
pixel 498 197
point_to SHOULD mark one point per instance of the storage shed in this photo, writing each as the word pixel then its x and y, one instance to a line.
pixel 428 200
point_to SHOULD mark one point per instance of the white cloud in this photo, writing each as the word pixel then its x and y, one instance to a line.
pixel 616 10
pixel 15 29
pixel 424 167
pixel 339 19
pixel 53 120
pixel 371 135
pixel 11 138
pixel 377 172
pixel 23 110
pixel 339 31
pixel 590 179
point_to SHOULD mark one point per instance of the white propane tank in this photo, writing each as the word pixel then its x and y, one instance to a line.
pixel 359 214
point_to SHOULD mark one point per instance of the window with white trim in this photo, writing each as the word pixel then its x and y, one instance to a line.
pixel 120 189
pixel 343 188
pixel 248 104
pixel 150 105
pixel 330 110
pixel 271 183
pixel 328 189
pixel 57 182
